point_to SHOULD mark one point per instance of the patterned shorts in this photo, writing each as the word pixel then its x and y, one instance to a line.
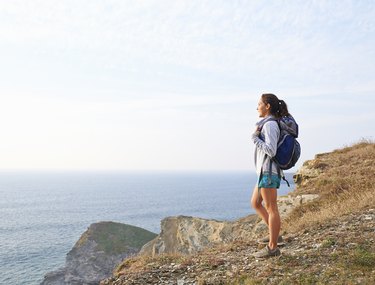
pixel 264 183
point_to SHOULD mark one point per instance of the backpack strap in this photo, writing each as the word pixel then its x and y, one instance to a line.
pixel 260 178
pixel 270 174
pixel 267 120
pixel 278 172
pixel 287 182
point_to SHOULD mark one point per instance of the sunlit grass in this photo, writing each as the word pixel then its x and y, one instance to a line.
pixel 346 185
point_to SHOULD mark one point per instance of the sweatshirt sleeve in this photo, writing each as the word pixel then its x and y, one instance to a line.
pixel 271 135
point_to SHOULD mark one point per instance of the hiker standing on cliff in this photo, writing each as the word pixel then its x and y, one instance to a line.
pixel 265 138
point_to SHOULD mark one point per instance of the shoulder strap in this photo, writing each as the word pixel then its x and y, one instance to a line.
pixel 281 176
pixel 268 120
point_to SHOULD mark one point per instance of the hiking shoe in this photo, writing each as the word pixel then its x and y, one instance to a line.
pixel 267 252
pixel 266 240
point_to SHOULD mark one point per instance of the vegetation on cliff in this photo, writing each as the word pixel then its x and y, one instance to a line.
pixel 330 240
pixel 100 248
pixel 113 238
pixel 344 180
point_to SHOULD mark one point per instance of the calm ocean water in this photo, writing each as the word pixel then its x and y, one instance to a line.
pixel 44 214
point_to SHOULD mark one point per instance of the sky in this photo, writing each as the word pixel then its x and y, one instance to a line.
pixel 173 85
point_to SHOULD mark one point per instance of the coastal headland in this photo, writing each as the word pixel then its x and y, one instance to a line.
pixel 328 227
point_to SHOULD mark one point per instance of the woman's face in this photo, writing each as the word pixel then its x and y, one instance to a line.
pixel 263 109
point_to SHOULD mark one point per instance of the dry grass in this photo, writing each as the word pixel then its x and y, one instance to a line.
pixel 244 280
pixel 144 263
pixel 346 185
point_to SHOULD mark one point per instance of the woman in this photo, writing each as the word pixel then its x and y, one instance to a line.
pixel 265 138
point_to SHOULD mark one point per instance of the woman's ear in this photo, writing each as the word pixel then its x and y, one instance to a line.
pixel 268 106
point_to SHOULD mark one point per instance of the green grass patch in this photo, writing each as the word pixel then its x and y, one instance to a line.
pixel 364 257
pixel 115 238
pixel 328 243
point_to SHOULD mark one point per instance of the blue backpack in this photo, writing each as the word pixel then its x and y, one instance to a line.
pixel 288 148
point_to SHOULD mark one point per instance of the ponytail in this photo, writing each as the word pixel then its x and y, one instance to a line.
pixel 278 107
pixel 283 109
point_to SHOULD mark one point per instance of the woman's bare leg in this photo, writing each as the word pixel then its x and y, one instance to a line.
pixel 269 196
pixel 257 205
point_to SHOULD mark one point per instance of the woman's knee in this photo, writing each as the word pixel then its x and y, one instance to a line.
pixel 271 207
pixel 270 199
pixel 256 200
pixel 255 203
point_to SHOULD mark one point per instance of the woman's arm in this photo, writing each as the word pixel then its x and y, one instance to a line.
pixel 271 134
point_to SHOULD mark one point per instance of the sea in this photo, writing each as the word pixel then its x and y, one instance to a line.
pixel 43 214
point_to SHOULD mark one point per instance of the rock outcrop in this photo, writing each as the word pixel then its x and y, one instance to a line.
pixel 312 169
pixel 97 252
pixel 287 203
pixel 188 235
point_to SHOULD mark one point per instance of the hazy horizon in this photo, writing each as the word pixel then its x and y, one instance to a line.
pixel 173 85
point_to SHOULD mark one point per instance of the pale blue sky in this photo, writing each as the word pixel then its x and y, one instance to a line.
pixel 173 85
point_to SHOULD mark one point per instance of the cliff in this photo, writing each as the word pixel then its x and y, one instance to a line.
pixel 328 225
pixel 97 252
pixel 187 235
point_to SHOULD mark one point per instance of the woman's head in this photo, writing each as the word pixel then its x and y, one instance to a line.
pixel 269 104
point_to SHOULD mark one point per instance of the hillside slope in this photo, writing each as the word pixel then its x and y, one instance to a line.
pixel 100 248
pixel 330 240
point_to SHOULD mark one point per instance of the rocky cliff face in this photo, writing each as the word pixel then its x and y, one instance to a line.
pixel 311 169
pixel 97 252
pixel 188 235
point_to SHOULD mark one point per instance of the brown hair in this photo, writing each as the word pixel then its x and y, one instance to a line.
pixel 278 107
